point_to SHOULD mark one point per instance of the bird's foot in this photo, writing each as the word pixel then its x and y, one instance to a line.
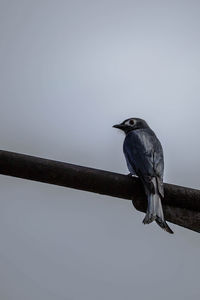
pixel 129 175
pixel 132 175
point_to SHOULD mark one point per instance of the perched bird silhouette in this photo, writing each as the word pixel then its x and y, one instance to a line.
pixel 144 157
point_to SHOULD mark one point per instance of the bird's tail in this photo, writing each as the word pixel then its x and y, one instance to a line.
pixel 155 211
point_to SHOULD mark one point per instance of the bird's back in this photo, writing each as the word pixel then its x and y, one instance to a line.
pixel 144 154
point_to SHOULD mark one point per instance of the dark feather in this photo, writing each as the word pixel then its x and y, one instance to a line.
pixel 144 155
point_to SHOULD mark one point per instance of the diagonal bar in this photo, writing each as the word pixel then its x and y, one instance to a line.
pixel 181 205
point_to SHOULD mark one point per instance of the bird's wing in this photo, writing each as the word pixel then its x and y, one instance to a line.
pixel 159 167
pixel 143 152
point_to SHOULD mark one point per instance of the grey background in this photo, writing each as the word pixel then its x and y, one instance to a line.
pixel 69 70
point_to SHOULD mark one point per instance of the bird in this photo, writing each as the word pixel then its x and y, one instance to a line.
pixel 144 157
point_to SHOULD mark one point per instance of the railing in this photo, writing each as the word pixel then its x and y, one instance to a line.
pixel 181 205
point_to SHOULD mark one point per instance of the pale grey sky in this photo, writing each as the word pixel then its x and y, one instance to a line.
pixel 69 70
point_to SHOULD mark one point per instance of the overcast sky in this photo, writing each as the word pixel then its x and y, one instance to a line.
pixel 69 70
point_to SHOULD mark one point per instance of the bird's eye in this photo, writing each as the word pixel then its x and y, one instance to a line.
pixel 131 122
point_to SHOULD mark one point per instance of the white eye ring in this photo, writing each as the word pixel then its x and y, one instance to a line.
pixel 131 122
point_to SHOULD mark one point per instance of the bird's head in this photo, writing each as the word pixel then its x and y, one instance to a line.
pixel 131 124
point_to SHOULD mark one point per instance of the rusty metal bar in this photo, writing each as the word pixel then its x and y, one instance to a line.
pixel 181 205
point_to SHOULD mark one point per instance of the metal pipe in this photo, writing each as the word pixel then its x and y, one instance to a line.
pixel 181 205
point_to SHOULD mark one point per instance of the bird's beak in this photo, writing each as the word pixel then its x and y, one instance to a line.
pixel 119 126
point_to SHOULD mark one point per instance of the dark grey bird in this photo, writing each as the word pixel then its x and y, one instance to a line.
pixel 144 157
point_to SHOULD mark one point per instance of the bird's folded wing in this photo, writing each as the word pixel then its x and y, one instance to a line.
pixel 145 157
